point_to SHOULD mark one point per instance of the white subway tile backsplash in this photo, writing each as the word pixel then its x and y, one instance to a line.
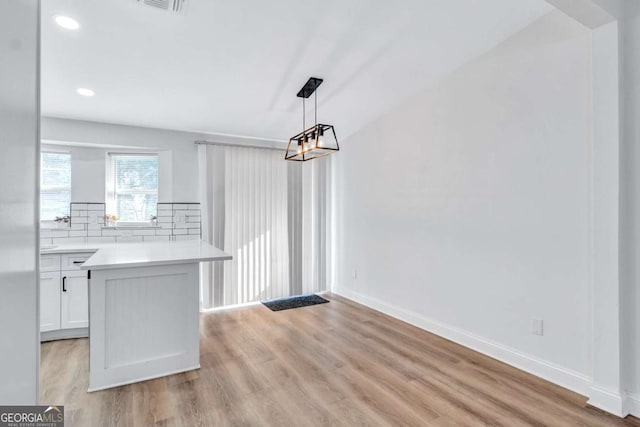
pixel 156 238
pixel 151 232
pixel 188 225
pixel 53 225
pixel 53 233
pixel 69 240
pixel 179 221
pixel 122 239
pixel 111 232
pixel 101 239
pixel 187 237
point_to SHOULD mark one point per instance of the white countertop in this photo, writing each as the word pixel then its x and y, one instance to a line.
pixel 123 255
pixel 70 248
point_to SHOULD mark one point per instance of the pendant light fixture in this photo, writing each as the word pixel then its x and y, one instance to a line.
pixel 317 141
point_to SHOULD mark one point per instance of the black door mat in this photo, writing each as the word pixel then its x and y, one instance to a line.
pixel 294 302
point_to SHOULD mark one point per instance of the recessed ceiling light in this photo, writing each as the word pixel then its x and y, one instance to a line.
pixel 66 22
pixel 85 92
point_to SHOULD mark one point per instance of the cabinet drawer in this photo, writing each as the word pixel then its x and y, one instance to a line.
pixel 72 262
pixel 49 263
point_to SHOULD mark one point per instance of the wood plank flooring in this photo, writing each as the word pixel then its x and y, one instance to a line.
pixel 336 364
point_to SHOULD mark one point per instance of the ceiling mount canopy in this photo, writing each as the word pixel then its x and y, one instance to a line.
pixel 317 141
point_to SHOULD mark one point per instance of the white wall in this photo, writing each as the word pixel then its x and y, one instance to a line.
pixel 88 167
pixel 467 209
pixel 178 161
pixel 19 115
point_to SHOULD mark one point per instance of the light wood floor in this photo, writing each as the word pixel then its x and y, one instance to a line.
pixel 332 364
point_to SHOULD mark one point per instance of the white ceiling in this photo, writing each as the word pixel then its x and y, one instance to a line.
pixel 234 67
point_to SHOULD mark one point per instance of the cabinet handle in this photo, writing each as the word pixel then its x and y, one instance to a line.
pixel 78 262
pixel 64 284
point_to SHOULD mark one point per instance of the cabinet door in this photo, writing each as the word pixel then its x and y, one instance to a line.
pixel 75 300
pixel 49 301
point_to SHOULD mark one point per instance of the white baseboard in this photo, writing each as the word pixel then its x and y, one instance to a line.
pixel 609 401
pixel 147 378
pixel 633 404
pixel 563 377
pixel 63 334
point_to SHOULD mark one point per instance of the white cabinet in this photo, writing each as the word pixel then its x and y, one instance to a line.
pixel 49 301
pixel 64 296
pixel 75 300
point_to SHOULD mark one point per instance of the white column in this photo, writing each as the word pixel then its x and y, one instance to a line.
pixel 611 245
pixel 19 145
pixel 606 391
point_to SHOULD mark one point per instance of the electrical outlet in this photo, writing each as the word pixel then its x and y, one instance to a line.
pixel 537 327
pixel 354 274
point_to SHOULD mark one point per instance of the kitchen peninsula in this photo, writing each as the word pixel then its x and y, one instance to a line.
pixel 143 309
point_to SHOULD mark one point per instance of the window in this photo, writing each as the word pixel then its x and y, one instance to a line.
pixel 55 185
pixel 132 186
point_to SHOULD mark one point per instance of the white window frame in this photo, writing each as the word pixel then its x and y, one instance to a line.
pixel 110 181
pixel 57 187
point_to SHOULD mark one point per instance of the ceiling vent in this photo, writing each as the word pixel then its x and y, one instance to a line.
pixel 172 6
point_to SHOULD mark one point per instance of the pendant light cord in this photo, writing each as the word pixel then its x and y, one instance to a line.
pixel 315 111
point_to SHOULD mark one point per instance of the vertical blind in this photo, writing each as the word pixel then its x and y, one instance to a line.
pixel 266 213
pixel 255 225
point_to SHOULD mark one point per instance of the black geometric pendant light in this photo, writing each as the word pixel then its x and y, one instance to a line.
pixel 317 141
